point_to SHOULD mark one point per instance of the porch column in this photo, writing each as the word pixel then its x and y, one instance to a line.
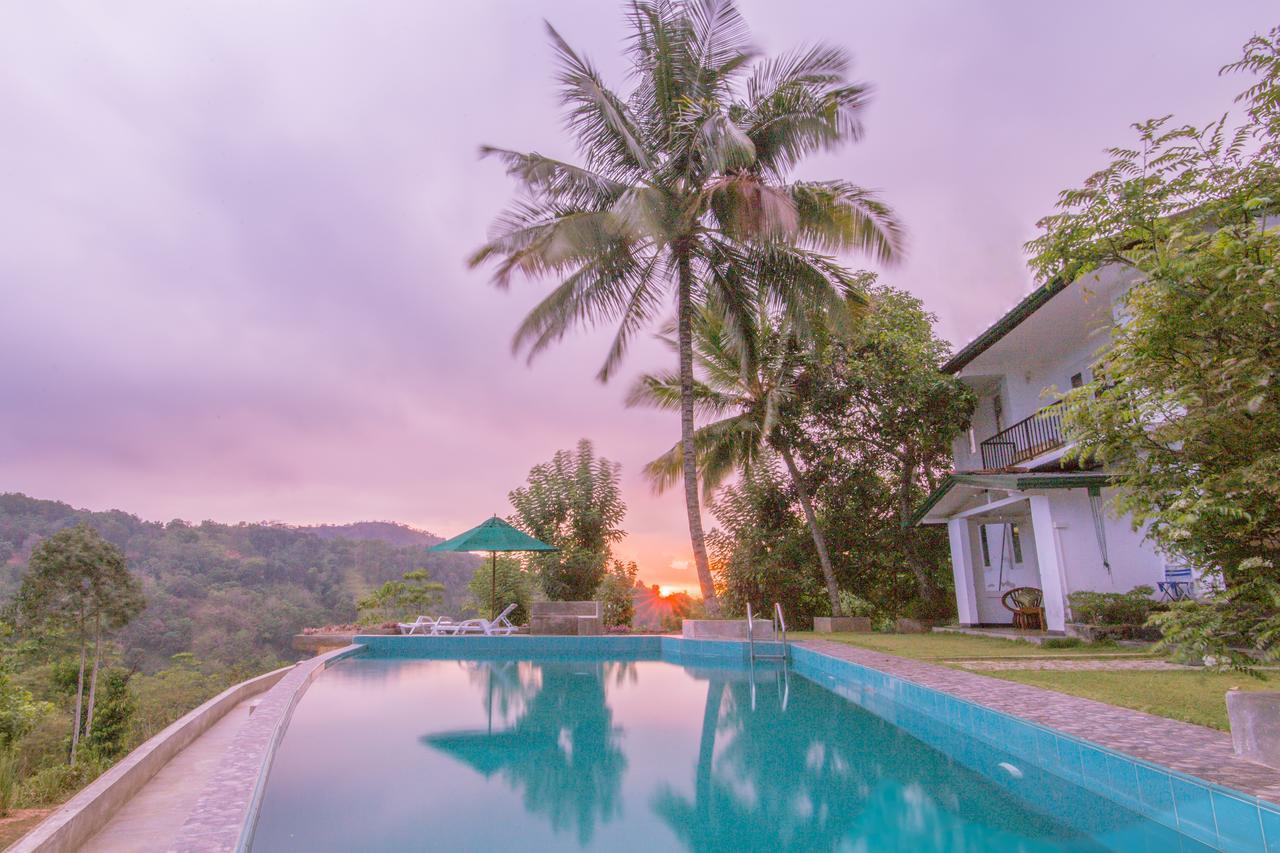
pixel 958 531
pixel 1048 555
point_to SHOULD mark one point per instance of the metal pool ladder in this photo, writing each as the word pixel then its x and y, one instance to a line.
pixel 782 650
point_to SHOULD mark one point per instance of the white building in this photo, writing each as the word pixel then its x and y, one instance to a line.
pixel 1017 515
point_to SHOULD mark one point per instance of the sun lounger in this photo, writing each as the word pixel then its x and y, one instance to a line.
pixel 499 626
pixel 425 625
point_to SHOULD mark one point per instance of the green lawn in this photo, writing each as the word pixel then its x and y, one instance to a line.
pixel 1193 697
pixel 943 647
pixel 1188 695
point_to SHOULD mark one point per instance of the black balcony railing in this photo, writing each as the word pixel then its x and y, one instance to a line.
pixel 1028 438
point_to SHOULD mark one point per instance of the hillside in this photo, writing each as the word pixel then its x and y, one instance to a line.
pixel 235 593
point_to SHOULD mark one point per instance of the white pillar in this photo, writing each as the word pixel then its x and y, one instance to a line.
pixel 958 531
pixel 1053 581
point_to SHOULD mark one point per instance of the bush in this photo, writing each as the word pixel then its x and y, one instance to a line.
pixel 1235 629
pixel 514 586
pixel 53 784
pixel 855 605
pixel 1062 643
pixel 617 595
pixel 1112 608
pixel 10 777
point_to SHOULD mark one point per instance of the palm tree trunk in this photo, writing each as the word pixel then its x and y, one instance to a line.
pixel 75 724
pixel 819 541
pixel 93 679
pixel 707 750
pixel 684 324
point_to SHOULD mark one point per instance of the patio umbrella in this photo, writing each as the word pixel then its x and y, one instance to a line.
pixel 493 536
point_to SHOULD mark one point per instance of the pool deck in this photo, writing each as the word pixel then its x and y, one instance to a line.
pixel 151 820
pixel 1193 749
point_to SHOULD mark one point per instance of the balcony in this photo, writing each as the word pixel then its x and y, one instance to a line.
pixel 1026 439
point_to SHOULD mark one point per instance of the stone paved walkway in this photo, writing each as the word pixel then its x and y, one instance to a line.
pixel 1196 750
pixel 1077 665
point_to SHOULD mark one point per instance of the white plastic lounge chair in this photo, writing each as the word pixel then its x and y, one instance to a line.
pixel 500 626
pixel 423 625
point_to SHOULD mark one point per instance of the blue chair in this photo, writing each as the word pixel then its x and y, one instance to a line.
pixel 1179 584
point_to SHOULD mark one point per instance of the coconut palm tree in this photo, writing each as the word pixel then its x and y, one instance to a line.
pixel 745 380
pixel 683 194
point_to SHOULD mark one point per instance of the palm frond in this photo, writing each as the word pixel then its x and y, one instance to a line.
pixel 720 449
pixel 557 181
pixel 837 216
pixel 800 103
pixel 600 121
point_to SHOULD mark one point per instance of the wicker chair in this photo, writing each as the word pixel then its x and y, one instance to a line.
pixel 1026 603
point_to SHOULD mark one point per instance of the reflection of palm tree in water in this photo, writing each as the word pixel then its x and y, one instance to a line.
pixel 563 751
pixel 823 773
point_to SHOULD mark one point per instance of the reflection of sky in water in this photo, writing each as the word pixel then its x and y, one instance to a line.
pixel 419 754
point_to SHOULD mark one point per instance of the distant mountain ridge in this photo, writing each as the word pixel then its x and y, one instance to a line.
pixel 236 592
pixel 390 532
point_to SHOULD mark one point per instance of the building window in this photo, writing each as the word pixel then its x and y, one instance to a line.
pixel 986 550
pixel 1014 534
pixel 1077 380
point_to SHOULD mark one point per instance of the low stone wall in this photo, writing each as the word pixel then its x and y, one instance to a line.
pixel 566 618
pixel 725 629
pixel 844 624
pixel 72 824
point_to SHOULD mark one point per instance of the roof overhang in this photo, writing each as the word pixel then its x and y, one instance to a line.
pixel 958 494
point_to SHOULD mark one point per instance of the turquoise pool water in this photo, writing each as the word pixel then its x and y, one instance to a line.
pixel 403 754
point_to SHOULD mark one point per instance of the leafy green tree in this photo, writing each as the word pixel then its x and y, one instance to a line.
pixel 617 594
pixel 401 600
pixel 1183 409
pixel 513 585
pixel 684 195
pixel 760 549
pixel 573 502
pixel 110 737
pixel 880 403
pixel 743 379
pixel 77 579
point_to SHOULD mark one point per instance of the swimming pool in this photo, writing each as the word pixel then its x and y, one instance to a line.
pixel 633 747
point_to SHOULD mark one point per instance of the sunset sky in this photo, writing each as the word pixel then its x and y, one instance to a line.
pixel 232 234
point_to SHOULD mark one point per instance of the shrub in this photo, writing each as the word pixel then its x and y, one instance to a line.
pixel 1062 643
pixel 10 777
pixel 53 784
pixel 1234 629
pixel 1112 608
pixel 855 605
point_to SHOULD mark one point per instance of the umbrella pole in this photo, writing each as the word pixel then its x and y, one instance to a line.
pixel 493 585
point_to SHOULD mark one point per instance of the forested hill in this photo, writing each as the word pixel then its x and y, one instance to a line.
pixel 235 592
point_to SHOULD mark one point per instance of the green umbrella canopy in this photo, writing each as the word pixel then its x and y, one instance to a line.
pixel 493 535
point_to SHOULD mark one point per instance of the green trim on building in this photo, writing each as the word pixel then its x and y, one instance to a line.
pixel 1006 324
pixel 1012 482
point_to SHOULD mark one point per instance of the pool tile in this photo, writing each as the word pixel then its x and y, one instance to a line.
pixel 1069 758
pixel 1156 795
pixel 1239 827
pixel 1195 810
pixel 1123 776
pixel 1271 827
pixel 1093 768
